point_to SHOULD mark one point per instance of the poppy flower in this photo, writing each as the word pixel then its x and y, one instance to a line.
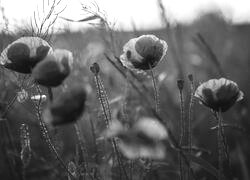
pixel 66 108
pixel 144 52
pixel 219 94
pixel 143 140
pixel 54 69
pixel 23 54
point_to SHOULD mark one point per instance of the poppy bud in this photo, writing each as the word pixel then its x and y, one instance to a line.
pixel 95 68
pixel 180 84
pixel 144 52
pixel 23 54
pixel 54 69
pixel 219 94
pixel 66 108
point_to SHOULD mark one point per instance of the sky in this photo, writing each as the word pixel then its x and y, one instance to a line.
pixel 123 13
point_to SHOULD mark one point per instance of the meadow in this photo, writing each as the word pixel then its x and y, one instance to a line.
pixel 209 48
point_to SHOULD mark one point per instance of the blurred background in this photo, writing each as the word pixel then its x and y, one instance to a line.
pixel 209 39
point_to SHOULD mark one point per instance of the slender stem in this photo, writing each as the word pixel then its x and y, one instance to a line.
pixel 156 92
pixel 182 127
pixel 220 145
pixel 94 139
pixel 172 138
pixel 10 138
pixel 50 93
pixel 190 117
pixel 47 137
pixel 83 149
pixel 225 146
pixel 107 114
pixel 131 169
pixel 182 123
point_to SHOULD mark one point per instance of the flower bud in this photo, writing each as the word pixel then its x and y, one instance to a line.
pixel 95 68
pixel 180 84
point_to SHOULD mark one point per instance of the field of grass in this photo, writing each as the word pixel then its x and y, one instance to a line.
pixel 209 48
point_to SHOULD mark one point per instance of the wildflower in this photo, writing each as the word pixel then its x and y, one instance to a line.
pixel 54 69
pixel 23 54
pixel 66 108
pixel 144 139
pixel 219 94
pixel 144 52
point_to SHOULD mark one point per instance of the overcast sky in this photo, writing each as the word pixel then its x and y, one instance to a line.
pixel 144 13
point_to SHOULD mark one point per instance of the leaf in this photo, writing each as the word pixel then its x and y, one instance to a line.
pixel 204 164
pixel 82 20
pixel 89 18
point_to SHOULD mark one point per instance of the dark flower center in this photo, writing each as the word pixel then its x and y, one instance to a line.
pixel 18 52
pixel 128 54
pixel 150 50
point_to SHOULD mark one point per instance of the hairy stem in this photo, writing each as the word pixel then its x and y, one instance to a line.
pixel 220 146
pixel 102 95
pixel 182 127
pixel 47 137
pixel 156 92
pixel 83 149
pixel 172 138
pixel 50 93
pixel 190 117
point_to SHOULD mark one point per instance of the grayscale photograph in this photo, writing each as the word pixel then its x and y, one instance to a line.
pixel 124 90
